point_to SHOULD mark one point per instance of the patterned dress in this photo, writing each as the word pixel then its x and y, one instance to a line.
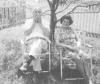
pixel 66 36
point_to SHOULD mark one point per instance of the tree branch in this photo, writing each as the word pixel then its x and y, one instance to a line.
pixel 45 11
pixel 81 5
pixel 53 6
pixel 69 12
pixel 64 8
pixel 75 9
pixel 85 12
pixel 57 4
pixel 49 3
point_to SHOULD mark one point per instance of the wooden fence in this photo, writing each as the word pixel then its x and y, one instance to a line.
pixel 10 16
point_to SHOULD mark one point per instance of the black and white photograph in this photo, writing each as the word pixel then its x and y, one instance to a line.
pixel 49 41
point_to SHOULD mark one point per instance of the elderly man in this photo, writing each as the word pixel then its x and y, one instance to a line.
pixel 37 36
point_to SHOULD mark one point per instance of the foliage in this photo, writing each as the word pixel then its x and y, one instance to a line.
pixel 10 53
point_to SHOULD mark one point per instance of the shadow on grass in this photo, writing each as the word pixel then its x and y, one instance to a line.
pixel 54 77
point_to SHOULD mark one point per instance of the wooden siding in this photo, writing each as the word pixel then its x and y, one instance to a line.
pixel 89 22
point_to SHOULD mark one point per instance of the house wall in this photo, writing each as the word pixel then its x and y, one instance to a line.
pixel 89 24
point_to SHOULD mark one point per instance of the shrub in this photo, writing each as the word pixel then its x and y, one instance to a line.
pixel 10 54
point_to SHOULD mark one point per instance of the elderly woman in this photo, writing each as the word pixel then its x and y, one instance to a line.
pixel 67 40
pixel 65 35
pixel 34 37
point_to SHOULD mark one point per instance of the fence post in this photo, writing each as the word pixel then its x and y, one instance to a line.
pixel 49 58
pixel 61 64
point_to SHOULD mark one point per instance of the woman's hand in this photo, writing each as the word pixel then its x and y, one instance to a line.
pixel 73 49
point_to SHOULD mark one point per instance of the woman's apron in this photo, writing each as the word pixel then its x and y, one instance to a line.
pixel 36 47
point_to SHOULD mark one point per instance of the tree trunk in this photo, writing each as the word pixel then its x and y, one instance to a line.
pixel 52 31
pixel 52 26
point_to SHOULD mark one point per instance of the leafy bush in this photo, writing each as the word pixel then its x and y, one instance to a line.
pixel 10 54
